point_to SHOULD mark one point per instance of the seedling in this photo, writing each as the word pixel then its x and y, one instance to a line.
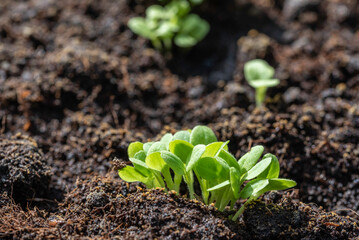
pixel 197 155
pixel 173 22
pixel 259 75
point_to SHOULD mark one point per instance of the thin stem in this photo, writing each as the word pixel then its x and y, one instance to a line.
pixel 241 210
pixel 168 178
pixel 203 185
pixel 260 95
pixel 160 180
pixel 157 44
pixel 177 182
pixel 168 43
pixel 189 181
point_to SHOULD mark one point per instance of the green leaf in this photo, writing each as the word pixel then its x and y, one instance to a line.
pixel 248 160
pixel 264 83
pixel 229 158
pixel 258 187
pixel 166 30
pixel 273 170
pixel 202 135
pixel 147 146
pixel 139 26
pixel 193 29
pixel 182 135
pixel 185 40
pixel 141 155
pixel 219 186
pixel 178 8
pixel 213 148
pixel 166 139
pixel 235 181
pixel 157 147
pixel 196 2
pixel 134 148
pixel 258 69
pixel 253 187
pixel 197 153
pixel 130 174
pixel 140 166
pixel 155 161
pixel 258 168
pixel 275 184
pixel 182 149
pixel 155 12
pixel 224 174
pixel 209 168
pixel 174 162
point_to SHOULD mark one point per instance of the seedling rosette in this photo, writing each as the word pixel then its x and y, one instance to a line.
pixel 259 75
pixel 197 155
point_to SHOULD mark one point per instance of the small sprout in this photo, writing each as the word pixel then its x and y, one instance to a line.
pixel 173 22
pixel 197 155
pixel 259 75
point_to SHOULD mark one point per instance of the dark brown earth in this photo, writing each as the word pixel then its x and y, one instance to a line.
pixel 78 86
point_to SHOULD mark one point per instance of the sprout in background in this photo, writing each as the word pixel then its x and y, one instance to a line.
pixel 259 74
pixel 173 22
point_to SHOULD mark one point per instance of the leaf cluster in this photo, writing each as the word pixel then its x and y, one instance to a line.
pixel 197 155
pixel 171 23
pixel 259 75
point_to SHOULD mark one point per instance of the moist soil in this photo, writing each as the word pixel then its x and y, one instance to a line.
pixel 77 86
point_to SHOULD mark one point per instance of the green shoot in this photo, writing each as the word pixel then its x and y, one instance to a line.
pixel 197 155
pixel 171 23
pixel 259 75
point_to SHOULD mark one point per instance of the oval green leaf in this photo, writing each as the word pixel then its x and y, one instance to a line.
pixel 155 161
pixel 209 168
pixel 174 162
pixel 219 186
pixel 130 174
pixel 273 170
pixel 248 160
pixel 182 149
pixel 182 135
pixel 134 148
pixel 197 153
pixel 156 147
pixel 202 135
pixel 258 168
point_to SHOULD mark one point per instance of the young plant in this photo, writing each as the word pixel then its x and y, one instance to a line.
pixel 259 75
pixel 173 22
pixel 196 155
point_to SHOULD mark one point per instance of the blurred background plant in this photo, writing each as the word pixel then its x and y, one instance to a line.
pixel 171 23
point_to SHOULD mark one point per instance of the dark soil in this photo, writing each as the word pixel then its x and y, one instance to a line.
pixel 81 86
pixel 23 170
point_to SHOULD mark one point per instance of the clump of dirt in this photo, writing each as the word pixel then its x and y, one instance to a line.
pixel 107 207
pixel 24 173
pixel 294 220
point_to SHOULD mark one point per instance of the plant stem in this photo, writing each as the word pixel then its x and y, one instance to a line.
pixel 177 182
pixel 241 210
pixel 203 185
pixel 168 178
pixel 189 181
pixel 260 95
pixel 160 180
pixel 157 44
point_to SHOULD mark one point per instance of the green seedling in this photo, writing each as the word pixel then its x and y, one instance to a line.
pixel 197 155
pixel 171 23
pixel 259 75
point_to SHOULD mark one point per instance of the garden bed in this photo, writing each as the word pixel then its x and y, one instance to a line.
pixel 77 86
